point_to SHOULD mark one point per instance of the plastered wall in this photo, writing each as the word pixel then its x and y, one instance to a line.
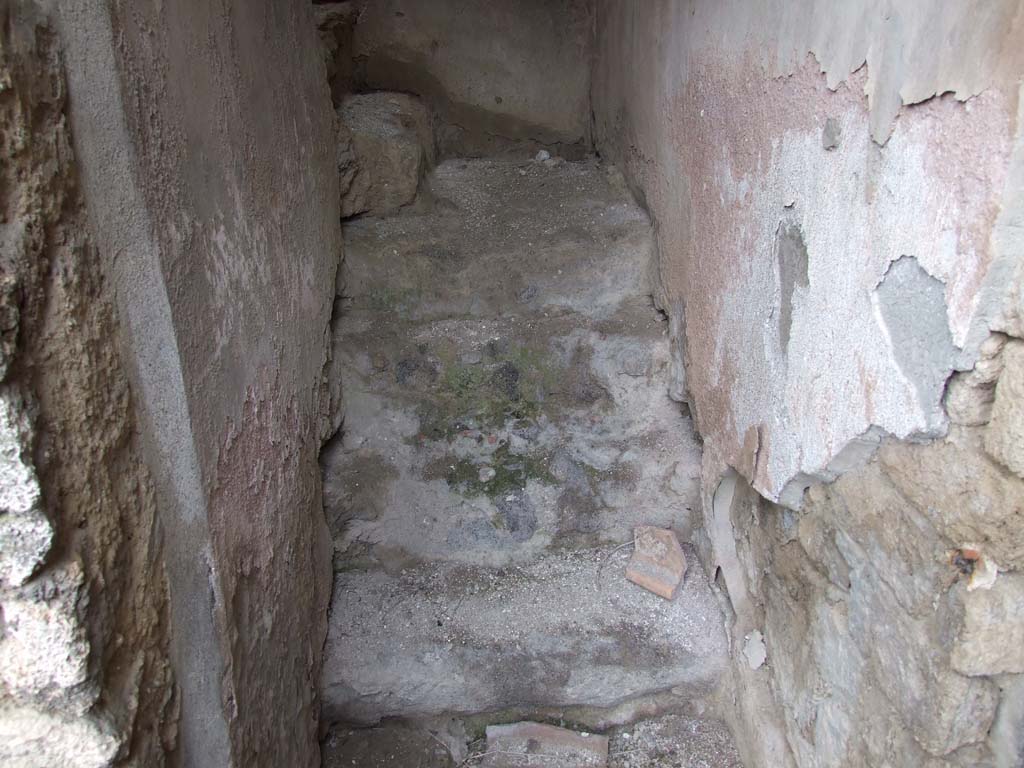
pixel 203 143
pixel 797 209
pixel 837 192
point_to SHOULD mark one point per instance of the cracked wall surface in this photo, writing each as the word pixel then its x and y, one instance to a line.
pixel 838 200
pixel 85 678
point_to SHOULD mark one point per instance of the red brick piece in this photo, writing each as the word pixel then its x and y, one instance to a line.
pixel 511 744
pixel 658 563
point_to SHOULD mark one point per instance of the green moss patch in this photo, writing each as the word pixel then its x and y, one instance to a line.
pixel 511 473
pixel 510 384
pixel 394 300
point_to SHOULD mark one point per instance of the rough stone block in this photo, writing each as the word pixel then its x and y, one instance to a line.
pixel 965 495
pixel 25 532
pixel 992 639
pixel 391 141
pixel 516 744
pixel 658 563
pixel 450 264
pixel 942 709
pixel 969 394
pixel 1004 439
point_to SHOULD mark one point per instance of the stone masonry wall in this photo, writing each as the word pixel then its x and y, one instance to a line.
pixel 839 194
pixel 84 674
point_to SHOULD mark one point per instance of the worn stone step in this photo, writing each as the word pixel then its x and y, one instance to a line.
pixel 495 237
pixel 666 740
pixel 565 629
pixel 512 745
pixel 489 441
pixel 673 741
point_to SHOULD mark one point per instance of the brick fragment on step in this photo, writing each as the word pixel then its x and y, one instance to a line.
pixel 513 746
pixel 658 563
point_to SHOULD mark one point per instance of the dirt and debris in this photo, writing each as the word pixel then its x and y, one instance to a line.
pixel 519 744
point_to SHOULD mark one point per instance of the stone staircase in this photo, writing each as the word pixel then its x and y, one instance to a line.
pixel 506 426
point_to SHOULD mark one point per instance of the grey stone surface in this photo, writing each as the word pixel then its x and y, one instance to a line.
pixel 561 630
pixel 538 393
pixel 913 305
pixel 673 741
pixel 568 234
pixel 497 451
pixel 791 252
pixel 831 134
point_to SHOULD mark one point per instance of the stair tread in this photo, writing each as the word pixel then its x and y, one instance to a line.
pixel 585 463
pixel 667 740
pixel 507 425
pixel 499 237
pixel 565 629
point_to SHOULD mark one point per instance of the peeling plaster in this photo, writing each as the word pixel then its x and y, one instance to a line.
pixel 729 135
pixel 835 375
pixel 912 51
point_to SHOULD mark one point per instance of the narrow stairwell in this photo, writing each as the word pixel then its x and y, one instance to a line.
pixel 506 426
